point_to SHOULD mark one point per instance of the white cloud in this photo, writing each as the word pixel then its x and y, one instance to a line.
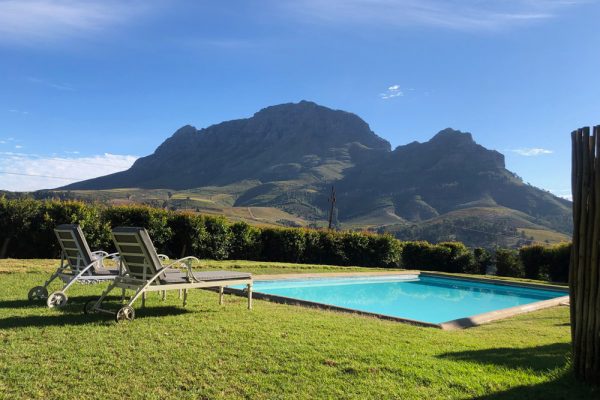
pixel 18 146
pixel 52 85
pixel 391 92
pixel 35 21
pixel 15 111
pixel 30 172
pixel 532 152
pixel 467 15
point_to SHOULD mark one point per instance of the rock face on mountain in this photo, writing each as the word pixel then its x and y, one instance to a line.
pixel 288 156
pixel 285 142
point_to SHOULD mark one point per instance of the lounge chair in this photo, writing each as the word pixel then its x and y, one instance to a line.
pixel 144 272
pixel 77 264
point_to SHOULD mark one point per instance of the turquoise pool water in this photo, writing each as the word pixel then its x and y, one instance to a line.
pixel 425 298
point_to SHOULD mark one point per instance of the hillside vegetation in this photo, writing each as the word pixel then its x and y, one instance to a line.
pixel 288 156
pixel 177 234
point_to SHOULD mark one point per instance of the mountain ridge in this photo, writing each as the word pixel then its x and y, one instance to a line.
pixel 294 152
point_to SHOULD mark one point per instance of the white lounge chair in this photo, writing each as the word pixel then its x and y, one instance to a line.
pixel 77 264
pixel 144 272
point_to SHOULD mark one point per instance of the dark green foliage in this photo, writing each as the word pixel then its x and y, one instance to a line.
pixel 445 257
pixel 287 245
pixel 245 242
pixel 508 263
pixel 324 247
pixel 482 259
pixel 559 263
pixel 534 259
pixel 217 240
pixel 155 220
pixel 188 234
pixel 546 262
pixel 386 251
pixel 424 255
pixel 26 231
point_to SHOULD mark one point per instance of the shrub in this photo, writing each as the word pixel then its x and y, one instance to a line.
pixel 559 262
pixel 287 245
pixel 356 248
pixel 217 241
pixel 482 259
pixel 424 255
pixel 155 220
pixel 324 247
pixel 460 258
pixel 245 242
pixel 386 251
pixel 508 263
pixel 188 235
pixel 26 231
pixel 534 260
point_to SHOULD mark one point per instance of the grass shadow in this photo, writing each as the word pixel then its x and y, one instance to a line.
pixel 25 303
pixel 565 387
pixel 539 358
pixel 62 319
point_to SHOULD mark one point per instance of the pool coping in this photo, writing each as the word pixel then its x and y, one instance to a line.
pixel 460 323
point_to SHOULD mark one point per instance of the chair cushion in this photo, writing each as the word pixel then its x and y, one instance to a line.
pixel 205 276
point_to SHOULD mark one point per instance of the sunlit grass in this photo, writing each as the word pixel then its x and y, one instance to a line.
pixel 274 351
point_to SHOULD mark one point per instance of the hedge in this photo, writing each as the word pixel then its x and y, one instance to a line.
pixel 26 231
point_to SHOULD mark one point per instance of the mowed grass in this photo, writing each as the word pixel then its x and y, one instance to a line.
pixel 275 351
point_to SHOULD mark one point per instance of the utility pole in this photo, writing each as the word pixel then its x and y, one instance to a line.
pixel 332 201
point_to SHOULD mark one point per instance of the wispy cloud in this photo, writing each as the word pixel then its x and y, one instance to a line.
pixel 563 193
pixel 15 111
pixel 42 21
pixel 532 151
pixel 18 146
pixel 465 15
pixel 391 92
pixel 52 85
pixel 28 172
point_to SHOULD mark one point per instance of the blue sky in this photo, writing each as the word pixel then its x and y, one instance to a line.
pixel 85 87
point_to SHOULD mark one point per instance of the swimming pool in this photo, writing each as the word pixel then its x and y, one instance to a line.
pixel 422 298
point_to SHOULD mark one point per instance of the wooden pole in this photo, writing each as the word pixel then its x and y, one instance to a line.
pixel 584 273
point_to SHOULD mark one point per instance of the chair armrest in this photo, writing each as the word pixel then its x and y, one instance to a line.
pixel 114 256
pixel 185 262
pixel 99 253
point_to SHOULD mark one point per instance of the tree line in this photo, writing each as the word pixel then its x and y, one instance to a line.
pixel 26 231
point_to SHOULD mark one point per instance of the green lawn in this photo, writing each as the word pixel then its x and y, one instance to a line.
pixel 274 351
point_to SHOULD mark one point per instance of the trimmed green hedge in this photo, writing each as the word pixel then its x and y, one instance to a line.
pixel 26 231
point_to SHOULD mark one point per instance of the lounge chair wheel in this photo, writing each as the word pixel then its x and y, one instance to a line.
pixel 57 299
pixel 88 307
pixel 38 293
pixel 125 313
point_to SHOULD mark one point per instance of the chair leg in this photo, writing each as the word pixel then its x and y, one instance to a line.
pixel 122 295
pixel 144 300
pixel 164 295
pixel 185 294
pixel 179 294
pixel 249 288
pixel 221 295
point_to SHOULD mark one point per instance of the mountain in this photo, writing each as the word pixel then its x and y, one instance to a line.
pixel 286 142
pixel 288 156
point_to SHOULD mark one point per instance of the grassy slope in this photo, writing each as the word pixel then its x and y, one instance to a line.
pixel 273 351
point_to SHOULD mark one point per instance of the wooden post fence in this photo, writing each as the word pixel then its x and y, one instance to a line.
pixel 584 277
